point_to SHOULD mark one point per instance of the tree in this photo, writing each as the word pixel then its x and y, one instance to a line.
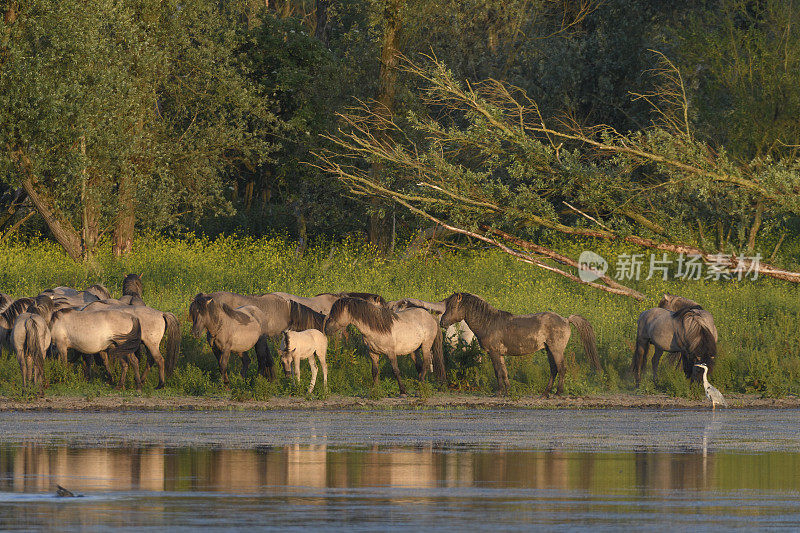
pixel 482 161
pixel 130 109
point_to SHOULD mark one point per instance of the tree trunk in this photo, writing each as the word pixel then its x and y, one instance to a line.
pixel 90 226
pixel 126 218
pixel 321 29
pixel 62 230
pixel 379 230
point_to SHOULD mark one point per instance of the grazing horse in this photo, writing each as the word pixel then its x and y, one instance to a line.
pixel 154 325
pixel 232 330
pixel 108 332
pixel 297 345
pixel 392 334
pixel 677 325
pixel 322 303
pixel 30 337
pixel 500 333
pixel 455 333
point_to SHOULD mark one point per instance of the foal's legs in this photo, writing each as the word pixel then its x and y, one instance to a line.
pixel 313 366
pixel 296 367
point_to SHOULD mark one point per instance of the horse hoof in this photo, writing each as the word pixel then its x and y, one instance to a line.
pixel 160 386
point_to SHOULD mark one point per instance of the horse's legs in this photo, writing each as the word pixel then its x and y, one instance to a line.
pixel 155 354
pixel 264 358
pixel 639 358
pixel 23 368
pixel 656 356
pixel 375 370
pixel 313 366
pixel 419 362
pixel 225 355
pixel 499 371
pixel 124 373
pixel 396 370
pixel 553 371
pixel 558 358
pixel 245 364
pixel 134 361
pixel 87 367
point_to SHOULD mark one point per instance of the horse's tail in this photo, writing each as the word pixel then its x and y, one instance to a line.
pixel 437 350
pixel 127 342
pixel 588 338
pixel 173 341
pixel 32 348
pixel 700 338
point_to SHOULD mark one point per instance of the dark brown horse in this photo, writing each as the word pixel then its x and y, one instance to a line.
pixel 500 333
pixel 132 289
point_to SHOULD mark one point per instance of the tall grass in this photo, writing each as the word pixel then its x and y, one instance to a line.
pixel 757 320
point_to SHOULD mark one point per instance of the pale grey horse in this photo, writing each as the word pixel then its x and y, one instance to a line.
pixel 30 338
pixel 231 331
pixel 69 297
pixel 677 325
pixel 298 345
pixel 108 332
pixel 392 334
pixel 155 324
pixel 502 334
pixel 454 333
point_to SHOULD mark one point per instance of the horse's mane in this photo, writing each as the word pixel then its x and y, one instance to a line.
pixel 17 308
pixel 100 288
pixel 367 296
pixel 5 301
pixel 478 308
pixel 199 305
pixel 302 317
pixel 43 306
pixel 683 311
pixel 59 313
pixel 132 285
pixel 240 317
pixel 373 316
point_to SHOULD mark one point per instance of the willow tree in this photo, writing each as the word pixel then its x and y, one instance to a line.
pixel 481 160
pixel 117 111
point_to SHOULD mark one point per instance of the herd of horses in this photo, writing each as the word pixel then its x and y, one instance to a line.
pixel 98 328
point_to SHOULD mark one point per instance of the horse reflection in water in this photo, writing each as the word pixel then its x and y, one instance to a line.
pixel 31 468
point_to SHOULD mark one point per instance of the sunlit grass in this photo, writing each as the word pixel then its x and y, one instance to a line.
pixel 757 320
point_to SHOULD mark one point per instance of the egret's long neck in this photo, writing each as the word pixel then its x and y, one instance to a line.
pixel 705 378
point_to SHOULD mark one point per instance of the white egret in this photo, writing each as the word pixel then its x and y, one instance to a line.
pixel 711 391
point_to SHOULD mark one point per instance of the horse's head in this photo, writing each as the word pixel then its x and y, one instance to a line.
pixel 285 351
pixel 453 311
pixel 132 285
pixel 199 311
pixel 337 319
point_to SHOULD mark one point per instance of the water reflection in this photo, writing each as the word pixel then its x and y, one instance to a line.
pixel 32 468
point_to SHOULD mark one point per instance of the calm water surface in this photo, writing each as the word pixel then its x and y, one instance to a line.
pixel 402 470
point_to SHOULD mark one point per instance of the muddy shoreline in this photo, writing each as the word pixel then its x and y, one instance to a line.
pixel 335 402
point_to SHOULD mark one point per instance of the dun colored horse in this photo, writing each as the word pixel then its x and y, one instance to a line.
pixel 392 334
pixel 677 325
pixel 502 334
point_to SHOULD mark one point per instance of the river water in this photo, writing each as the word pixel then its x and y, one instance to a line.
pixel 452 470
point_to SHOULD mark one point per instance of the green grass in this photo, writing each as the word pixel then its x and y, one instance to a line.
pixel 757 320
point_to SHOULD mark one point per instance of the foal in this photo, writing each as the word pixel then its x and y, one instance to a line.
pixel 297 345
